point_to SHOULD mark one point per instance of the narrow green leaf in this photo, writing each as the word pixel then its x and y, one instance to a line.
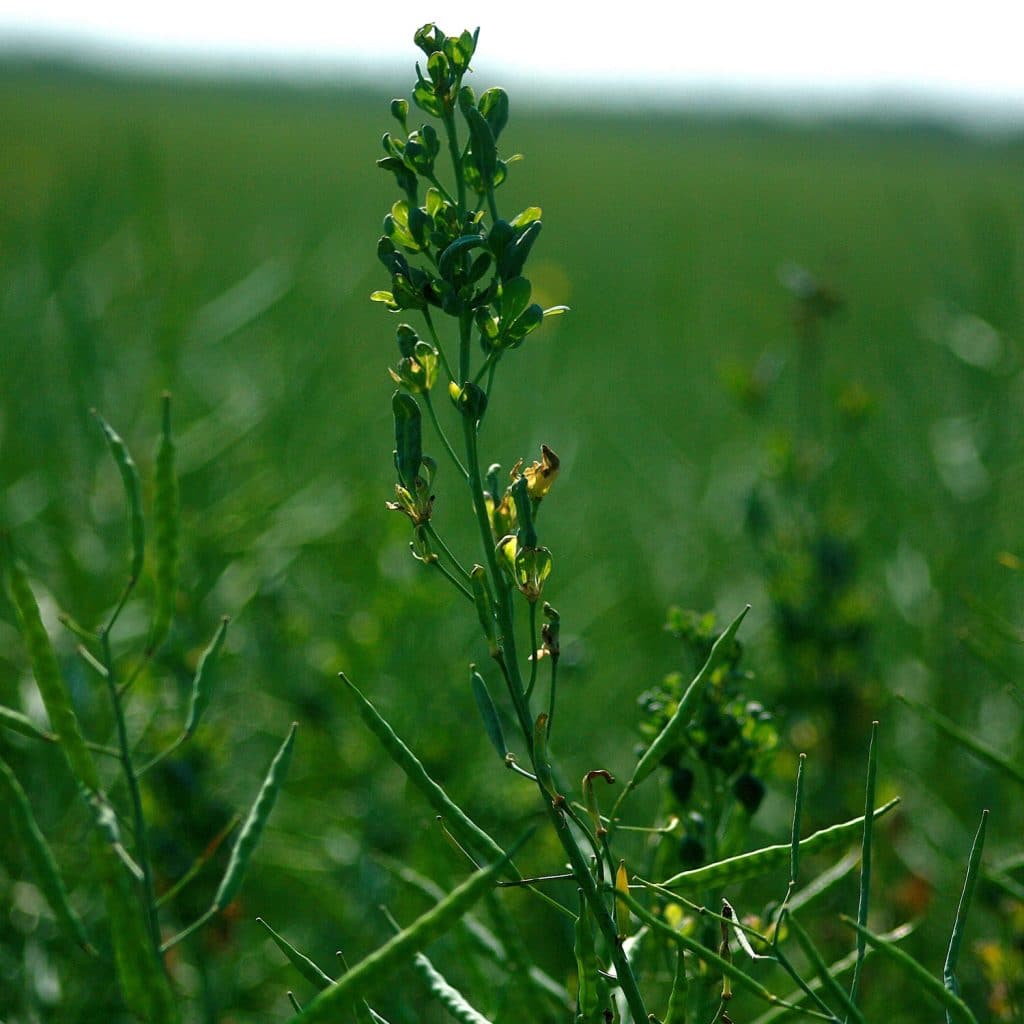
pixel 252 829
pixel 917 973
pixel 744 866
pixel 37 850
pixel 681 718
pixel 302 963
pixel 960 923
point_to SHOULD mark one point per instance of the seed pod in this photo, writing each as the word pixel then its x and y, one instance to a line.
pixel 621 910
pixel 489 713
pixel 49 680
pixel 669 735
pixel 299 961
pixel 450 997
pixel 249 836
pixel 734 870
pixel 166 520
pixel 463 828
pixel 676 1012
pixel 408 438
pixel 17 722
pixel 132 492
pixel 37 850
pixel 379 964
pixel 587 965
pixel 484 606
pixel 202 682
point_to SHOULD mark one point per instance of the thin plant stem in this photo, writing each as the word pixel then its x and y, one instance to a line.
pixel 533 650
pixel 442 435
pixel 436 537
pixel 437 342
pixel 135 795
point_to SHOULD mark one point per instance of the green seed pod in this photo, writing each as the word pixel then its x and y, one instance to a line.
pixel 621 909
pixel 49 680
pixel 484 606
pixel 400 112
pixel 484 150
pixel 590 800
pixel 132 491
pixel 425 929
pixel 587 965
pixel 669 735
pixel 493 105
pixel 408 438
pixel 166 520
pixel 299 961
pixel 463 828
pixel 450 997
pixel 489 713
pixel 17 722
pixel 202 682
pixel 676 1012
pixel 527 535
pixel 734 870
pixel 249 836
pixel 472 402
pixel 37 850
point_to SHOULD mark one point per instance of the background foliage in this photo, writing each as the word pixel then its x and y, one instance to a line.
pixel 219 242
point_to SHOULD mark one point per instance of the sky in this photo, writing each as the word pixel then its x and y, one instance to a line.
pixel 934 53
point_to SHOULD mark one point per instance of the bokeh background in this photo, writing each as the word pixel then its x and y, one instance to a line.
pixel 791 377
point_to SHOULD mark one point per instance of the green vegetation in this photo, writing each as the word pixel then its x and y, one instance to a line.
pixel 843 457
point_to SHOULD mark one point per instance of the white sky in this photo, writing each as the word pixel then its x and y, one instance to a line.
pixel 958 52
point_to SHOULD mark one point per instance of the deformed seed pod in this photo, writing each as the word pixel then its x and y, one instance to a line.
pixel 457 1005
pixel 202 682
pixel 166 520
pixel 37 850
pixel 252 829
pixel 621 909
pixel 132 491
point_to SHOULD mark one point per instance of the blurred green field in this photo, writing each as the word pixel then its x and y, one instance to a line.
pixel 218 241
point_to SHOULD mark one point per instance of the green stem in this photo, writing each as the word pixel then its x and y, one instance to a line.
pixel 533 648
pixel 437 343
pixel 139 821
pixel 510 664
pixel 441 434
pixel 551 693
pixel 448 575
pixel 436 537
pixel 453 150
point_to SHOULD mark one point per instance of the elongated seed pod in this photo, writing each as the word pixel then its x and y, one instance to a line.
pixel 18 722
pixel 425 929
pixel 676 1012
pixel 202 682
pixel 132 492
pixel 37 850
pixel 252 829
pixel 960 923
pixel 587 965
pixel 463 828
pixel 51 684
pixel 484 607
pixel 166 527
pixel 143 982
pixel 450 997
pixel 828 981
pixel 309 970
pixel 949 1001
pixel 734 870
pixel 489 713
pixel 668 736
